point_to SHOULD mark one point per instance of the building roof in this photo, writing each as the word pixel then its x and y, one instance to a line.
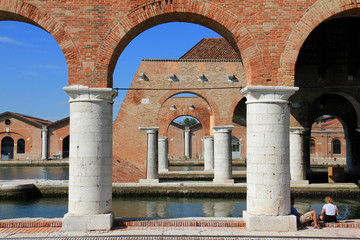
pixel 31 120
pixel 211 48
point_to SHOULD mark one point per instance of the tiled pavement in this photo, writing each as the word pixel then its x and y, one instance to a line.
pixel 192 228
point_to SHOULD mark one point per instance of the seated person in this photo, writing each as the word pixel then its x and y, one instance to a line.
pixel 329 211
pixel 304 218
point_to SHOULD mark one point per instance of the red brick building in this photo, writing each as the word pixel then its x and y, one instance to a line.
pixel 327 142
pixel 210 70
pixel 22 137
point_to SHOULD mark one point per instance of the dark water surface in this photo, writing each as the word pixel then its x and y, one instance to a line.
pixel 35 172
pixel 165 207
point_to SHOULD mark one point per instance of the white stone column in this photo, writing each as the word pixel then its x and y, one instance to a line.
pixel 208 154
pixel 268 164
pixel 90 162
pixel 187 142
pixel 152 155
pixel 222 154
pixel 44 145
pixel 163 154
pixel 297 156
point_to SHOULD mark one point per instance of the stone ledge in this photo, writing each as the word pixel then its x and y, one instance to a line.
pixel 270 223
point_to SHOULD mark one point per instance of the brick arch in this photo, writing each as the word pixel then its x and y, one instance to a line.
pixel 191 11
pixel 201 113
pixel 202 94
pixel 233 106
pixel 318 13
pixel 29 13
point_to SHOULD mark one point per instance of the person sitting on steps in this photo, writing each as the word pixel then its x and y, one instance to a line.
pixel 329 211
pixel 304 218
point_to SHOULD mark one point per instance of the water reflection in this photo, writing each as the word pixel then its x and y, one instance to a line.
pixel 165 207
pixel 178 207
pixel 35 172
pixel 200 168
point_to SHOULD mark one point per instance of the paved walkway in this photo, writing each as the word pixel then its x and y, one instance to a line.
pixel 184 228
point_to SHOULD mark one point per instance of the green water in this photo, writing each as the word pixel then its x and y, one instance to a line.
pixel 165 207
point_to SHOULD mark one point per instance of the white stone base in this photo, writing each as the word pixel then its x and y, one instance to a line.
pixel 149 181
pixel 270 223
pixel 74 223
pixel 163 170
pixel 295 183
pixel 230 181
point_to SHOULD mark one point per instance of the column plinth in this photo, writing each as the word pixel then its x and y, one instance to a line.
pixel 268 164
pixel 222 154
pixel 152 175
pixel 90 160
pixel 163 150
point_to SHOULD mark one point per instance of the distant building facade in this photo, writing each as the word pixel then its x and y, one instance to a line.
pixel 24 137
pixel 328 142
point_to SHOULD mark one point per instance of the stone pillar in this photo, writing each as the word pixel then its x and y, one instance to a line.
pixel 90 161
pixel 163 154
pixel 187 142
pixel 209 154
pixel 222 154
pixel 152 155
pixel 268 164
pixel 297 156
pixel 44 145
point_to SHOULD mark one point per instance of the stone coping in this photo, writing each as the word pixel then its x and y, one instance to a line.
pixel 159 222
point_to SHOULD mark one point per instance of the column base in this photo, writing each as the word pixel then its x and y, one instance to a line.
pixel 75 223
pixel 294 183
pixel 149 181
pixel 163 170
pixel 209 171
pixel 270 223
pixel 229 181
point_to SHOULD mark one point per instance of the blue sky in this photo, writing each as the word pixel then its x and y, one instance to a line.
pixel 33 67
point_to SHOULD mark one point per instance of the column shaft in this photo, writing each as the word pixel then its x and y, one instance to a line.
pixel 44 146
pixel 187 142
pixel 90 162
pixel 268 165
pixel 297 156
pixel 222 154
pixel 208 153
pixel 163 154
pixel 152 155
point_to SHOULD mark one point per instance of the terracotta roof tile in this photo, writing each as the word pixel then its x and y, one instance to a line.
pixel 211 48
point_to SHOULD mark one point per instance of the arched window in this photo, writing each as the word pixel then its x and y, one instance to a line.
pixel 336 146
pixel 7 148
pixel 21 146
pixel 312 146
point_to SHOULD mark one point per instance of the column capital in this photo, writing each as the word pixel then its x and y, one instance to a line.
pixel 226 128
pixel 79 93
pixel 149 129
pixel 268 94
pixel 44 129
pixel 298 130
pixel 162 139
pixel 209 137
pixel 187 129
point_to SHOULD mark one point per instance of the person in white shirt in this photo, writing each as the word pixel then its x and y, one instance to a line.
pixel 329 211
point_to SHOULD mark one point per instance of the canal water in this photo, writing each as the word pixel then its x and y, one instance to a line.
pixel 145 207
pixel 165 207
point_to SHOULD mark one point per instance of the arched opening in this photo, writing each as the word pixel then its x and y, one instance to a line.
pixel 33 67
pixel 328 74
pixel 21 146
pixel 329 143
pixel 185 135
pixel 65 147
pixel 7 148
